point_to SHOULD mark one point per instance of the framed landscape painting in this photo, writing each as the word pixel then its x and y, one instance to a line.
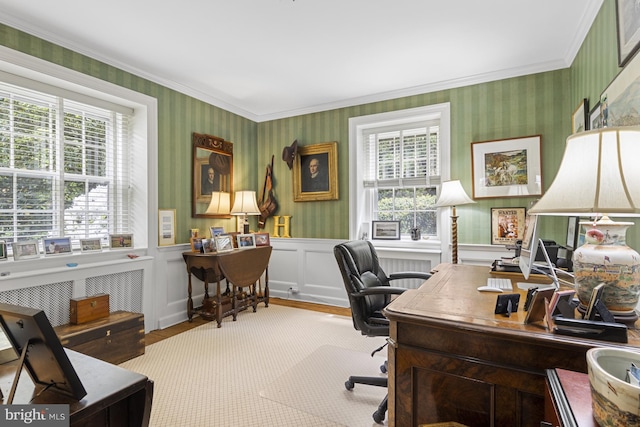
pixel 507 167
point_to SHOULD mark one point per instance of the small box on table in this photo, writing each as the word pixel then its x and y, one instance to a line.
pixel 86 309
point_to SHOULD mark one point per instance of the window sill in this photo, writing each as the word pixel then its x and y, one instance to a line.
pixel 431 245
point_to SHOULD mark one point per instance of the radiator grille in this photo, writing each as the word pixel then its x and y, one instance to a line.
pixel 124 289
pixel 52 298
pixel 394 265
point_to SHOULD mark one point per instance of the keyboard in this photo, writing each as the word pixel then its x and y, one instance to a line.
pixel 503 284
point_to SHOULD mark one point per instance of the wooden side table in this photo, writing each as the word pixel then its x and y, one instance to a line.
pixel 240 265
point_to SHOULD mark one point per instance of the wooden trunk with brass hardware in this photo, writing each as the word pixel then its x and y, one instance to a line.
pixel 115 339
pixel 86 309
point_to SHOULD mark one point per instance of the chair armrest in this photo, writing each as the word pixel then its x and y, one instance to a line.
pixel 379 290
pixel 409 275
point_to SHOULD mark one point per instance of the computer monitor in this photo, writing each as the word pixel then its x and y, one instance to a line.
pixel 529 245
pixel 40 351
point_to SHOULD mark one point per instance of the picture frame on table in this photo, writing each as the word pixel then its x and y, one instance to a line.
pixel 580 117
pixel 121 241
pixel 224 243
pixel 385 230
pixel 27 249
pixel 246 241
pixel 56 246
pixel 216 231
pixel 208 246
pixel 617 105
pixel 3 250
pixel 573 230
pixel 90 245
pixel 166 227
pixel 628 29
pixel 262 239
pixel 595 118
pixel 507 167
pixel 315 173
pixel 507 225
pixel 196 244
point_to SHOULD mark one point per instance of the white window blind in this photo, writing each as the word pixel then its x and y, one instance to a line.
pixel 64 167
pixel 401 156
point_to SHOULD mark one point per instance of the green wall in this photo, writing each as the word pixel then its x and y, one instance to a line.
pixel 535 104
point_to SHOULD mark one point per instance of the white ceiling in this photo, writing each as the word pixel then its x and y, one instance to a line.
pixel 267 59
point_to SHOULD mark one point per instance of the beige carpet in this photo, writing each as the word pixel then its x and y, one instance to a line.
pixel 316 385
pixel 212 376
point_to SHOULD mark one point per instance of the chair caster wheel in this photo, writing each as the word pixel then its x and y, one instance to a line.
pixel 349 385
pixel 378 417
pixel 383 369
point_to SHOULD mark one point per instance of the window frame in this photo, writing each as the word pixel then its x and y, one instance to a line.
pixel 360 205
pixel 25 70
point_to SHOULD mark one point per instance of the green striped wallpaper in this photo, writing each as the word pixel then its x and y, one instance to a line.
pixel 535 104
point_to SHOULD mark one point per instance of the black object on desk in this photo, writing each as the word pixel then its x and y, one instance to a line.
pixel 507 304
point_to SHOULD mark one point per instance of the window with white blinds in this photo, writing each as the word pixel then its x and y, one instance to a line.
pixel 64 167
pixel 402 169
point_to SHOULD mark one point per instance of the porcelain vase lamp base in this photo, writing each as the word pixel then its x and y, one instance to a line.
pixel 605 258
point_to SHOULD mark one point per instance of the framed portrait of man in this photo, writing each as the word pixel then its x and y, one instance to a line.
pixel 315 172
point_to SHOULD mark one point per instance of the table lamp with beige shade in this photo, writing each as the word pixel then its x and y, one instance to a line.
pixel 245 204
pixel 220 203
pixel 452 194
pixel 599 177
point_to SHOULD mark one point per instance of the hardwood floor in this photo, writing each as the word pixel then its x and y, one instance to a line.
pixel 161 334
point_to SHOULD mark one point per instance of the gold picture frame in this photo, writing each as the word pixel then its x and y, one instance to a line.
pixel 315 173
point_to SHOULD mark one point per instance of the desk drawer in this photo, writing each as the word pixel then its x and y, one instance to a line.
pixel 114 339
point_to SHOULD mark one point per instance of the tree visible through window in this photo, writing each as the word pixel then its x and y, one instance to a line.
pixel 63 167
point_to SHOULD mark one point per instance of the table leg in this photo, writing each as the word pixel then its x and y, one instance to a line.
pixel 266 287
pixel 189 301
pixel 218 304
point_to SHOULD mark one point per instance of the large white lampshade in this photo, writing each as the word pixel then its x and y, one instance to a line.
pixel 220 203
pixel 245 204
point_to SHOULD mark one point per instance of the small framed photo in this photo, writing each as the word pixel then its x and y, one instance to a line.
pixel 224 243
pixel 90 245
pixel 121 241
pixel 196 244
pixel 579 118
pixel 507 225
pixel 595 118
pixel 56 246
pixel 246 241
pixel 166 227
pixel 262 239
pixel 25 250
pixel 385 230
pixel 208 246
pixel 216 231
pixel 628 25
pixel 507 167
pixel 573 228
pixel 3 250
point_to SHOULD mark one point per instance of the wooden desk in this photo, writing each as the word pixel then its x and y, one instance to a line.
pixel 115 396
pixel 452 359
pixel 237 266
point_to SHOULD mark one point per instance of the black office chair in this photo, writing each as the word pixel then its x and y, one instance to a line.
pixel 369 292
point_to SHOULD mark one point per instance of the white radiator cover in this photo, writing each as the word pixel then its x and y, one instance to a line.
pixel 125 291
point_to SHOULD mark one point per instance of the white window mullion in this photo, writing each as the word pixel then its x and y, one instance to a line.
pixel 58 197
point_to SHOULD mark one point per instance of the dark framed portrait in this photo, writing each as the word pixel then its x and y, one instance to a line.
pixel 315 173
